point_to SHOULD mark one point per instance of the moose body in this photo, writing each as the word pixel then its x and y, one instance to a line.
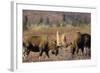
pixel 83 41
pixel 37 48
pixel 36 44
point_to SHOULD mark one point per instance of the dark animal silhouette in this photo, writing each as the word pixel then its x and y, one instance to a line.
pixel 45 48
pixel 83 41
pixel 36 48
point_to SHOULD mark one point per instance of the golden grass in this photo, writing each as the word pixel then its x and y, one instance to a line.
pixel 51 31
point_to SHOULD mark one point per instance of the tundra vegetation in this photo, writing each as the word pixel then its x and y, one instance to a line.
pixel 53 36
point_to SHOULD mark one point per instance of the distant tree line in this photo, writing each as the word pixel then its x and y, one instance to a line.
pixel 75 19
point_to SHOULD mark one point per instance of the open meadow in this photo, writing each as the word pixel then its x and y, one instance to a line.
pixel 65 53
pixel 56 36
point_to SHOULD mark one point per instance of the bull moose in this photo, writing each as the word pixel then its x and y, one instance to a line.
pixel 83 41
pixel 37 45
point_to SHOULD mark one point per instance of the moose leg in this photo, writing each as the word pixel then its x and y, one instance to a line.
pixel 82 49
pixel 47 53
pixel 28 51
pixel 87 51
pixel 77 51
pixel 41 52
pixel 57 51
pixel 73 51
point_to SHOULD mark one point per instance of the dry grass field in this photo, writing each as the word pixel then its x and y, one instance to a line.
pixel 65 53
